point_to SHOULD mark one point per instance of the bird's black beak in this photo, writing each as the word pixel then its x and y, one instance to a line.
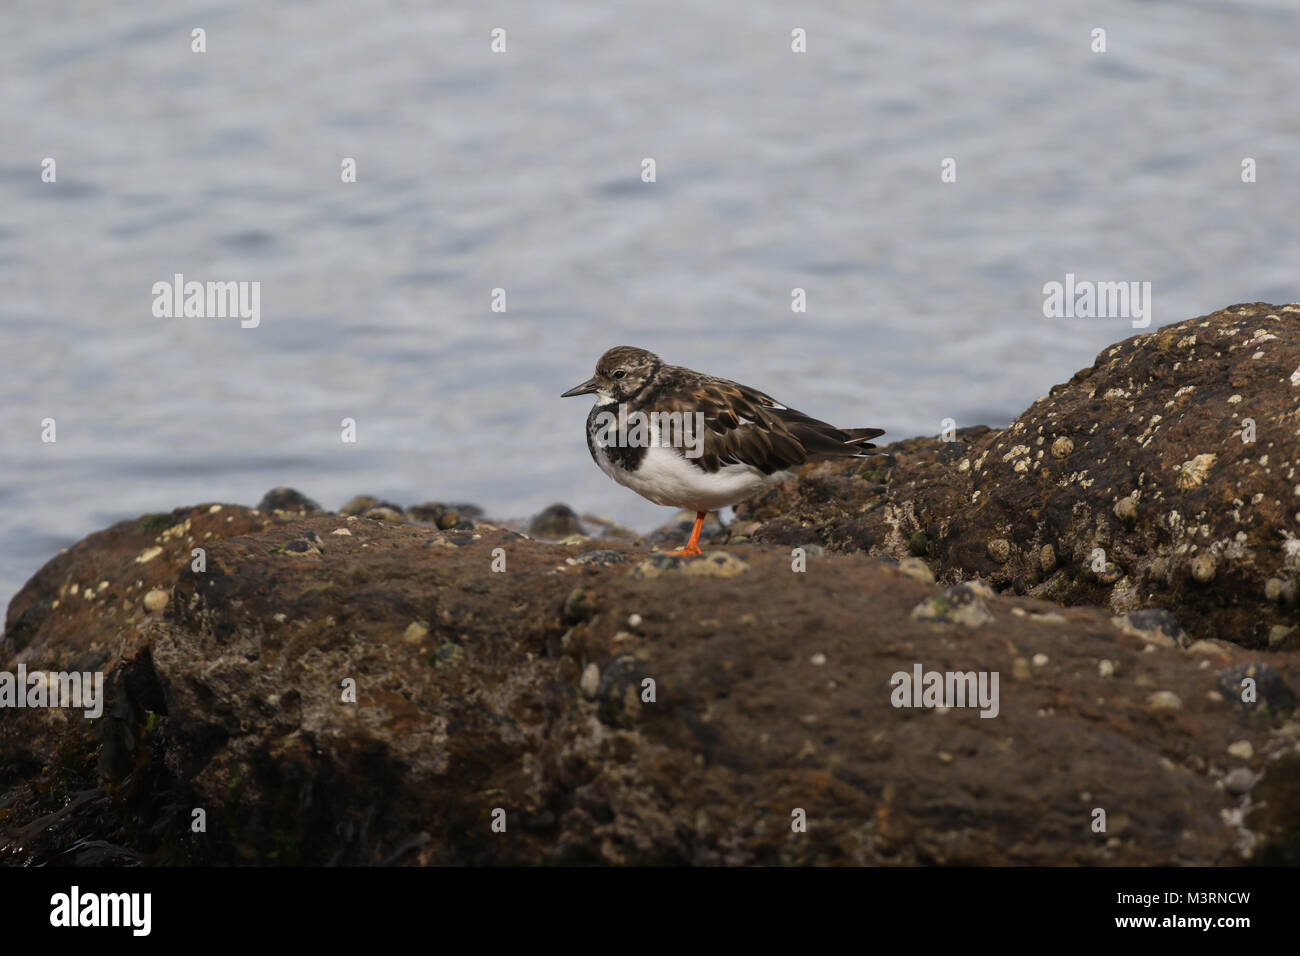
pixel 586 388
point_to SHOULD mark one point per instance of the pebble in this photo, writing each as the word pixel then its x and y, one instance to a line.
pixel 1106 669
pixel 959 604
pixel 1241 749
pixel 818 659
pixel 634 620
pixel 1239 781
pixel 1062 447
pixel 1164 700
pixel 1273 697
pixel 286 499
pixel 1020 669
pixel 156 600
pixel 1126 509
pixel 916 568
pixel 1040 660
pixel 415 631
pixel 1279 635
pixel 555 522
pixel 590 681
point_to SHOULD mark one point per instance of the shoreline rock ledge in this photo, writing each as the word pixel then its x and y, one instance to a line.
pixel 397 685
pixel 1166 475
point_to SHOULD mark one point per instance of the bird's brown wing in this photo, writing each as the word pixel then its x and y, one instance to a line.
pixel 744 425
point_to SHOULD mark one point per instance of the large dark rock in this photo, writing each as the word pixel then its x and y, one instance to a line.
pixel 1129 487
pixel 378 699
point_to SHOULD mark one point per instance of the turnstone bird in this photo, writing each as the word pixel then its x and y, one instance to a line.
pixel 693 441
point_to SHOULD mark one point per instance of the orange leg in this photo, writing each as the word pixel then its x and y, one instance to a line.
pixel 693 545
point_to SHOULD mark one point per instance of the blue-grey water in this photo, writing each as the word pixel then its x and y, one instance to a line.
pixel 522 170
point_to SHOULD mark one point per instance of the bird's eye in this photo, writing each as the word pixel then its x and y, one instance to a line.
pixel 620 373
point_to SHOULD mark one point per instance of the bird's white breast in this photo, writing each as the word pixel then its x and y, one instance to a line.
pixel 666 477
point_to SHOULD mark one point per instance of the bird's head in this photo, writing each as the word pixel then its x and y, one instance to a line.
pixel 620 374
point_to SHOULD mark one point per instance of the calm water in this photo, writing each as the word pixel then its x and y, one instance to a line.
pixel 479 170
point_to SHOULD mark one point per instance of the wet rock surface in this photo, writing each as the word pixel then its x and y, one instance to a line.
pixel 1167 475
pixel 376 702
pixel 380 687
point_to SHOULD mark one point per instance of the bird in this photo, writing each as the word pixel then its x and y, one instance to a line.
pixel 698 442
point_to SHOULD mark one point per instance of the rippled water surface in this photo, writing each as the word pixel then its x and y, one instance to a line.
pixel 522 171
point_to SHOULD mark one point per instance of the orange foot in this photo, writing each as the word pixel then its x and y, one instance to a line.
pixel 693 545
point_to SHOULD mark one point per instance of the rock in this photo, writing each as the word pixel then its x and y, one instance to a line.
pixel 461 517
pixel 1153 624
pixel 1279 636
pixel 287 499
pixel 999 550
pixel 1276 589
pixel 603 558
pixel 427 513
pixel 1274 815
pixel 1164 700
pixel 359 505
pixel 527 687
pixel 1239 781
pixel 578 606
pixel 1152 413
pixel 466 511
pixel 590 682
pixel 1258 689
pixel 916 568
pixel 959 604
pixel 714 564
pixel 601 527
pixel 678 529
pixel 156 600
pixel 300 547
pixel 368 505
pixel 1241 749
pixel 556 522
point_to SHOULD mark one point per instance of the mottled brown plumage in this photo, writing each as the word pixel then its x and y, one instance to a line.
pixel 743 425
